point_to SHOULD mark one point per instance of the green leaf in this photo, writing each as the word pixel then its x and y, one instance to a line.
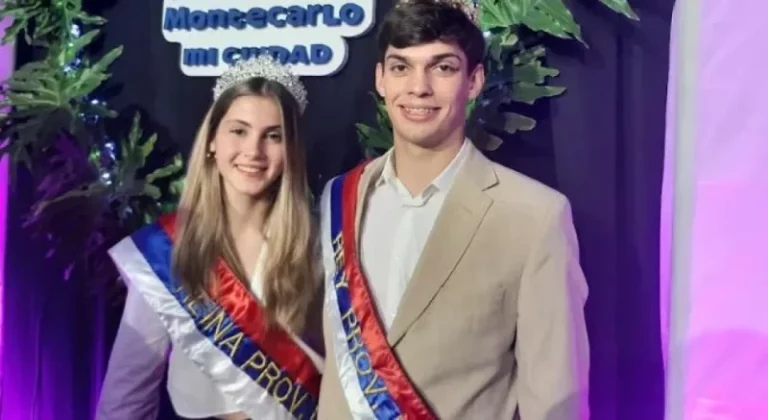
pixel 108 59
pixel 97 109
pixel 37 84
pixel 549 16
pixel 152 191
pixel 494 142
pixel 382 120
pixel 135 134
pixel 91 78
pixel 177 187
pixel 364 130
pixel 382 115
pixel 530 93
pixel 85 85
pixel 93 189
pixel 515 122
pixel 13 31
pixel 148 146
pixel 621 6
pixel 80 43
pixel 26 100
pixel 552 17
pixel 373 138
pixel 471 106
pixel 495 49
pixel 510 40
pixel 72 5
pixel 492 16
pixel 533 72
pixel 45 27
pixel 33 69
pixel 15 12
pixel 90 20
pixel 167 170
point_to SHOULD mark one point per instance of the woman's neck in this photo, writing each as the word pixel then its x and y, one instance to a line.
pixel 247 223
pixel 247 216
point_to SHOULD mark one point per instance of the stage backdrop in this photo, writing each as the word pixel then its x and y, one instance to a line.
pixel 601 144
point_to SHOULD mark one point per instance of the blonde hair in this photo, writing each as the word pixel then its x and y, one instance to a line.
pixel 289 275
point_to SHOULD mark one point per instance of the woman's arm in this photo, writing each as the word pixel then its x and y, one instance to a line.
pixel 136 366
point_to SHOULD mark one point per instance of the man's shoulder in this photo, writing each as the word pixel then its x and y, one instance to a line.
pixel 523 192
pixel 525 209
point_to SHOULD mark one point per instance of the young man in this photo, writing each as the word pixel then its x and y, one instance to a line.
pixel 453 286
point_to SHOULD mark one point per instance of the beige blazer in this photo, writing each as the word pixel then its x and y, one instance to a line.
pixel 491 325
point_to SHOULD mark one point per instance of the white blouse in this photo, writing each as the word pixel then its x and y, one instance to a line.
pixel 137 365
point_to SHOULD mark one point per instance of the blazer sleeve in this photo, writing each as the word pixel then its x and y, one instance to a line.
pixel 551 347
pixel 131 388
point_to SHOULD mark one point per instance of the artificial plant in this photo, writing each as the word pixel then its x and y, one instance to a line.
pixel 93 186
pixel 516 32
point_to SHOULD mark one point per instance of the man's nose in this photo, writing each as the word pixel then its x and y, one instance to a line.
pixel 420 84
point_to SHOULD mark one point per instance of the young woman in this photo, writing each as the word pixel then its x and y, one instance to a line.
pixel 227 285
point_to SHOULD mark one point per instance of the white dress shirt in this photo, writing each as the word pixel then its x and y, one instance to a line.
pixel 137 365
pixel 394 229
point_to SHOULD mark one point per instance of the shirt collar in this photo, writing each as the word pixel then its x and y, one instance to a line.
pixel 443 182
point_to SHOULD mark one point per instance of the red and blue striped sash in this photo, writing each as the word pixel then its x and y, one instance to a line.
pixel 388 392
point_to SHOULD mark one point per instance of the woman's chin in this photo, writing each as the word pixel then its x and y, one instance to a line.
pixel 252 192
pixel 247 189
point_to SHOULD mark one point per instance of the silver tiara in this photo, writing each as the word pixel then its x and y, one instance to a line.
pixel 469 7
pixel 262 66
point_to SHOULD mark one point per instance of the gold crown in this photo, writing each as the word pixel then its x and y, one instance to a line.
pixel 469 7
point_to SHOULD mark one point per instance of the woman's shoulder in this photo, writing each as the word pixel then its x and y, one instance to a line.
pixel 164 227
pixel 165 224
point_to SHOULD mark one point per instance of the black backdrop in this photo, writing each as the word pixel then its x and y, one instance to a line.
pixel 601 144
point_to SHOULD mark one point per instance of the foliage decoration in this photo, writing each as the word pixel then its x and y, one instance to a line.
pixel 516 34
pixel 90 190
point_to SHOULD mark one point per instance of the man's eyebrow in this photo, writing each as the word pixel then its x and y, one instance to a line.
pixel 397 57
pixel 433 59
pixel 446 55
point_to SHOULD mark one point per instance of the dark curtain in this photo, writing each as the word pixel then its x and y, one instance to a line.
pixel 600 144
pixel 56 333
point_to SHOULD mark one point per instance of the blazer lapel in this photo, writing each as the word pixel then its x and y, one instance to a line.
pixel 458 220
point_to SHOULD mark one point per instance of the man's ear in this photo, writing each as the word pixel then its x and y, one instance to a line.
pixel 476 81
pixel 379 79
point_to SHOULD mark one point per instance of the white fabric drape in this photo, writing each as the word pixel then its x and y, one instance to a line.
pixel 714 262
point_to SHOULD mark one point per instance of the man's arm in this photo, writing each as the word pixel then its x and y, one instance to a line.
pixel 552 347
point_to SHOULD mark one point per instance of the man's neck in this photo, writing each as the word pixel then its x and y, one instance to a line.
pixel 417 167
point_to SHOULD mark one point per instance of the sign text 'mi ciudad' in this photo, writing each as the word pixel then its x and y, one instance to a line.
pixel 309 36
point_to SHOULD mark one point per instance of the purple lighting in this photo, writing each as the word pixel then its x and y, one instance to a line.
pixel 6 68
pixel 715 206
pixel 3 217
